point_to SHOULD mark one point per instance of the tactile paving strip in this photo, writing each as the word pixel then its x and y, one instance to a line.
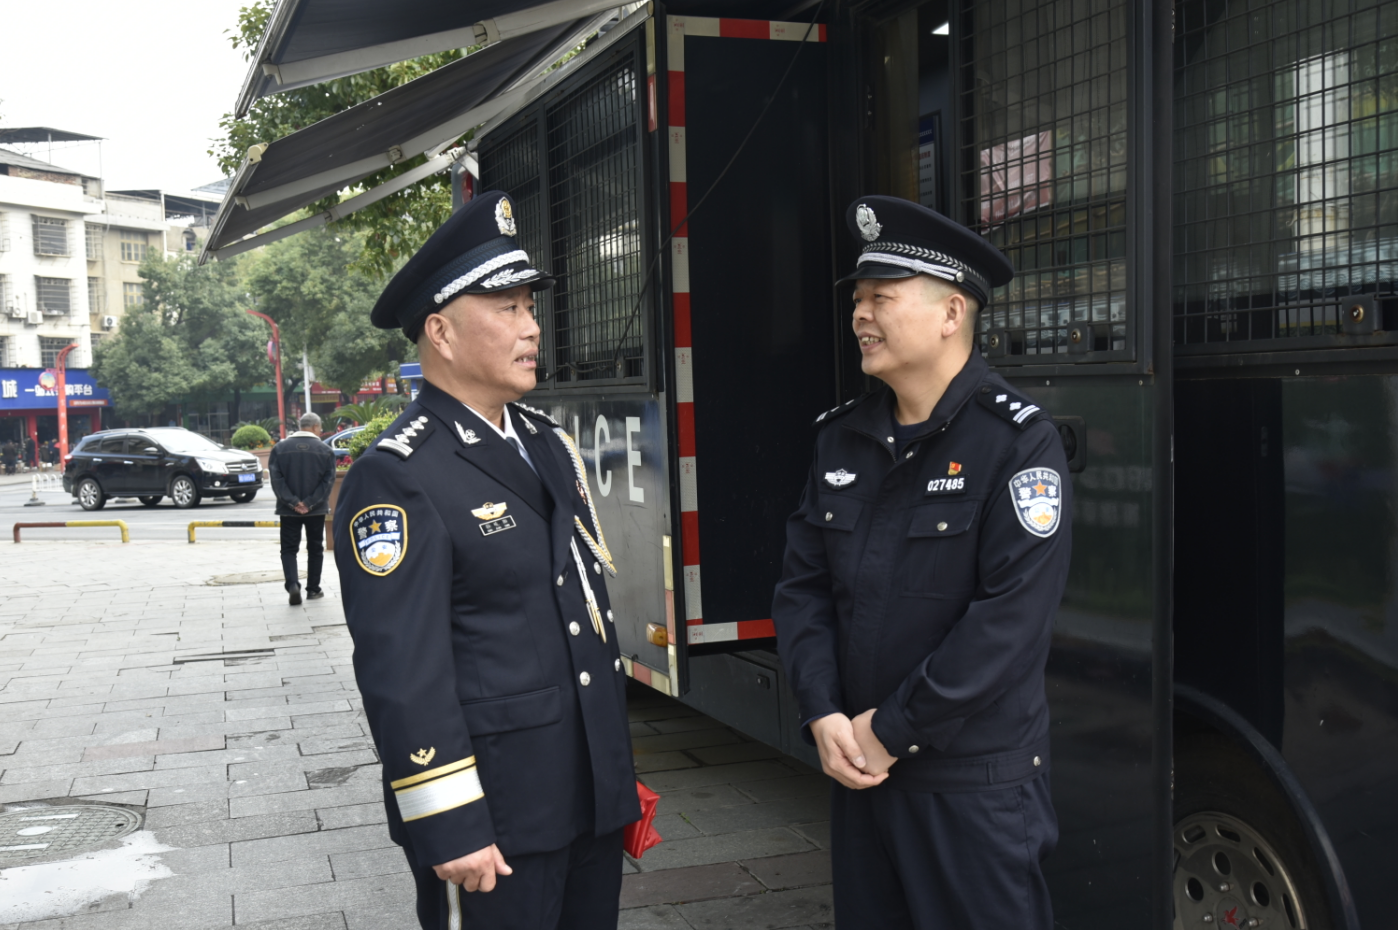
pixel 41 831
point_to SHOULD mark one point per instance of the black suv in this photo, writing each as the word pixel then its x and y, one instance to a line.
pixel 149 464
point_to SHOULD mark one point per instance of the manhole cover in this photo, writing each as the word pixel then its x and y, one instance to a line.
pixel 41 831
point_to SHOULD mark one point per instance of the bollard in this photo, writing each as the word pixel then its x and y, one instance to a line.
pixel 34 493
pixel 120 524
pixel 240 523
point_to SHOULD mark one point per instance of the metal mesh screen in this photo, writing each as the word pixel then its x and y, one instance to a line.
pixel 1045 167
pixel 1286 166
pixel 512 165
pixel 54 295
pixel 595 229
pixel 50 236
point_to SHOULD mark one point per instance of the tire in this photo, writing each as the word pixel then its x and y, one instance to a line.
pixel 184 492
pixel 90 494
pixel 242 497
pixel 1241 854
pixel 150 501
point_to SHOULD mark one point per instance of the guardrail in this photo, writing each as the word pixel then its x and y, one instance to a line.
pixel 243 523
pixel 121 524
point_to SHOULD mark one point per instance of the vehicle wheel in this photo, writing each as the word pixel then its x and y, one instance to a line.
pixel 90 496
pixel 184 492
pixel 242 497
pixel 150 501
pixel 1241 857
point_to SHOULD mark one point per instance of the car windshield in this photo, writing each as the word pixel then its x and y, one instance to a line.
pixel 183 441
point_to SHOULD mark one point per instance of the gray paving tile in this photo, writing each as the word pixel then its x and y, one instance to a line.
pixel 700 799
pixel 663 917
pixel 776 789
pixel 240 831
pixel 177 815
pixel 308 799
pixel 373 892
pixel 696 883
pixel 773 911
pixel 364 863
pixel 818 833
pixel 799 810
pixel 325 842
pixel 738 752
pixel 778 872
pixel 663 762
pixel 331 921
pixel 661 782
pixel 728 847
pixel 717 735
pixel 357 815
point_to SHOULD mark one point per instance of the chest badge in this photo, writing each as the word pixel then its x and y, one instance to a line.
pixel 954 468
pixel 489 511
pixel 840 478
pixel 380 535
pixel 468 436
pixel 1038 500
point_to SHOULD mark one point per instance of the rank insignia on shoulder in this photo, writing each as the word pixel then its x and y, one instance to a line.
pixel 489 511
pixel 1038 501
pixel 834 412
pixel 380 535
pixel 423 756
pixel 1017 410
pixel 840 478
pixel 468 436
pixel 402 442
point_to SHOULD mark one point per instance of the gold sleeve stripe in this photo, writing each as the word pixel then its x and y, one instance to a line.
pixel 430 774
pixel 444 794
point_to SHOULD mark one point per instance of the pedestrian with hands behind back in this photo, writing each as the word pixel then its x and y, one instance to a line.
pixel 302 469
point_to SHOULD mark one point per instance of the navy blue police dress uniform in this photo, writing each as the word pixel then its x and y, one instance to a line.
pixel 922 572
pixel 472 570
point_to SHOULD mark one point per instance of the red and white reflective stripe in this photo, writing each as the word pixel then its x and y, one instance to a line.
pixel 677 28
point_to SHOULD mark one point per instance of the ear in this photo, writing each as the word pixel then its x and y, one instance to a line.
pixel 958 315
pixel 440 334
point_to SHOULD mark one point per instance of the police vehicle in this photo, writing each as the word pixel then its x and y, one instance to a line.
pixel 1201 201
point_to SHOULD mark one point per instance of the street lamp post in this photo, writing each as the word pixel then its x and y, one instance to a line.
pixel 277 360
pixel 61 372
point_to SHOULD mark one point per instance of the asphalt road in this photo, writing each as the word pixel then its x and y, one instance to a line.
pixel 163 521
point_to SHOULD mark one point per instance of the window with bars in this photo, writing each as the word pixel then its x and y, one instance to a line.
pixel 54 295
pixel 1044 170
pixel 132 295
pixel 1286 170
pixel 50 236
pixel 8 300
pixel 92 235
pixel 133 245
pixel 49 347
pixel 94 295
pixel 6 362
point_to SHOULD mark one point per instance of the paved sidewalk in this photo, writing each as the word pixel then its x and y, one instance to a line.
pixel 231 722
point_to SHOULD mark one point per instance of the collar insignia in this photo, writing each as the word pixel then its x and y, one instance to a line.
pixel 489 511
pixel 869 226
pixel 505 217
pixel 840 478
pixel 423 756
pixel 468 436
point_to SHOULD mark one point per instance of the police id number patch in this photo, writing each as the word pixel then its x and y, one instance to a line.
pixel 380 535
pixel 947 485
pixel 1038 500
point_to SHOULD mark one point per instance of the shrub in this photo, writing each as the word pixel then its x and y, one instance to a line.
pixel 365 437
pixel 251 436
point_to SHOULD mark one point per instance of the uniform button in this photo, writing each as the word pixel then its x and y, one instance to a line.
pixel 559 582
pixel 597 568
pixel 829 516
pixel 890 438
pixel 574 628
pixel 609 617
pixel 909 455
pixel 941 527
pixel 1038 762
pixel 585 678
pixel 914 748
pixel 617 665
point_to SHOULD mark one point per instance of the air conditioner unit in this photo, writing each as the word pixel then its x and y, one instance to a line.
pixel 109 322
pixel 35 318
pixel 16 310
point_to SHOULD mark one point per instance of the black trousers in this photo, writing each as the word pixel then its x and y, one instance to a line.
pixel 906 860
pixel 291 544
pixel 577 887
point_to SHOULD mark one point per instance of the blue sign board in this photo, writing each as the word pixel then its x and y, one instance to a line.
pixel 412 373
pixel 36 389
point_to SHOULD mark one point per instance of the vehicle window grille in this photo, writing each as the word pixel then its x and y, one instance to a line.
pixel 54 295
pixel 1286 171
pixel 50 236
pixel 512 165
pixel 1044 171
pixel 594 229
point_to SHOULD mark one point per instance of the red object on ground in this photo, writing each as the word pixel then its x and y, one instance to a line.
pixel 639 836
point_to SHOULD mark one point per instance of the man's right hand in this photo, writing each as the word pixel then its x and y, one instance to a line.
pixel 840 755
pixel 301 507
pixel 475 872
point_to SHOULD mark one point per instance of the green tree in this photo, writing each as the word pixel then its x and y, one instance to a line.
pixel 146 367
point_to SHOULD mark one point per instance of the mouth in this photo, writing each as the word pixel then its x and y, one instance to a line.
pixel 868 342
pixel 528 361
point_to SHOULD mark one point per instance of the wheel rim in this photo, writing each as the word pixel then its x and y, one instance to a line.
pixel 87 494
pixel 1227 875
pixel 183 491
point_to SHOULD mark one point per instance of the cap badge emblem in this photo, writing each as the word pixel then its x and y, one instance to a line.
pixel 868 224
pixel 468 436
pixel 505 217
pixel 489 511
pixel 840 478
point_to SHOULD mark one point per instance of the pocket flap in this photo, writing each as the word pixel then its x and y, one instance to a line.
pixel 942 519
pixel 836 512
pixel 514 712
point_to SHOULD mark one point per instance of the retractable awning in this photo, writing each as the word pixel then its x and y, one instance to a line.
pixel 310 41
pixel 423 116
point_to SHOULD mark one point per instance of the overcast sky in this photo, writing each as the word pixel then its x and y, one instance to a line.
pixel 152 78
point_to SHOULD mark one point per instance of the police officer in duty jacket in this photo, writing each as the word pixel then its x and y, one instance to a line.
pixel 473 568
pixel 922 572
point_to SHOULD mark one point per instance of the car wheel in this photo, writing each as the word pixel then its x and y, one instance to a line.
pixel 90 496
pixel 184 492
pixel 242 497
pixel 150 501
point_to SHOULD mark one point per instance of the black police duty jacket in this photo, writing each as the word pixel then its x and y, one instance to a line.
pixel 498 712
pixel 302 468
pixel 911 583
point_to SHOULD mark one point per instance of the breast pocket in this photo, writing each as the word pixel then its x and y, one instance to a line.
pixel 940 560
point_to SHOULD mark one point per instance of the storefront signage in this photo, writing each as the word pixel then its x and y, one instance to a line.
pixel 37 389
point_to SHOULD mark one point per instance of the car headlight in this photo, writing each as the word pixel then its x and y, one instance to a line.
pixel 213 467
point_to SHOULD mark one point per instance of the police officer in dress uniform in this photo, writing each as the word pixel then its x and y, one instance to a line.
pixel 922 572
pixel 472 568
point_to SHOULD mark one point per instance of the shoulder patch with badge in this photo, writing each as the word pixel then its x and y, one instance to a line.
pixel 1038 500
pixel 1013 408
pixel 380 535
pixel 403 441
pixel 836 412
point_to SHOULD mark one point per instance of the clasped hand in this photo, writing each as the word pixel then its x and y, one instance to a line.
pixel 475 872
pixel 850 753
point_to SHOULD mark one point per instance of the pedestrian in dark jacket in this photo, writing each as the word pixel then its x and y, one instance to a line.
pixel 302 467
